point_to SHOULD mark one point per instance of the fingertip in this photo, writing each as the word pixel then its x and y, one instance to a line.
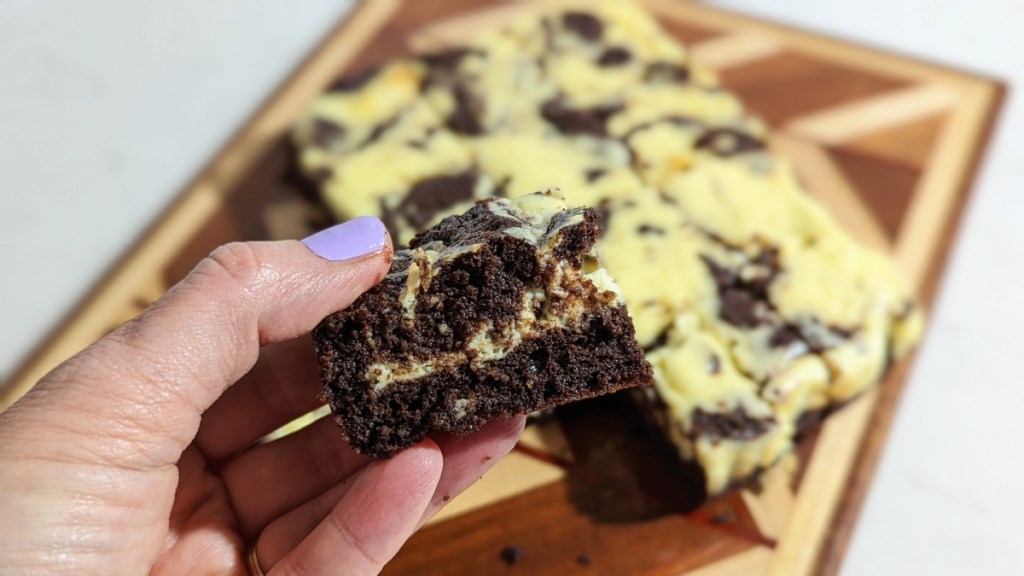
pixel 426 455
pixel 355 238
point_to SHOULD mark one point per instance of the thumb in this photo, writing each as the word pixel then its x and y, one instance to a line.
pixel 138 394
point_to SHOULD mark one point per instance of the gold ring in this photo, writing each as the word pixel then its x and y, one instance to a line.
pixel 253 562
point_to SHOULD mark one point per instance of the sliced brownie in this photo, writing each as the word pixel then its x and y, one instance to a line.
pixel 502 310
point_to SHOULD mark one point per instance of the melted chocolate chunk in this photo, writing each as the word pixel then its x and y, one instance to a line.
pixel 501 188
pixel 429 197
pixel 465 118
pixel 585 25
pixel 379 131
pixel 578 121
pixel 604 214
pixel 442 66
pixel 768 257
pixel 353 82
pixel 735 425
pixel 321 175
pixel 326 133
pixel 615 56
pixel 658 342
pixel 667 72
pixel 421 143
pixel 447 60
pixel 844 333
pixel 583 560
pixel 784 336
pixel 511 555
pixel 648 230
pixel 739 308
pixel 594 174
pixel 740 296
pixel 725 142
pixel 722 276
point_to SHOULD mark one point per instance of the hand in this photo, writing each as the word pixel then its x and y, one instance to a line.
pixel 137 455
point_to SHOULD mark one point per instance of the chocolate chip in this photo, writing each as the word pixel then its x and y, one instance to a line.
pixel 722 276
pixel 321 175
pixel 733 425
pixel 442 66
pixel 784 336
pixel 353 82
pixel 648 230
pixel 578 121
pixel 326 133
pixel 768 257
pixel 739 308
pixel 725 142
pixel 379 131
pixel 667 72
pixel 615 56
pixel 604 213
pixel 583 560
pixel 447 60
pixel 585 25
pixel 464 119
pixel 421 143
pixel 501 188
pixel 429 197
pixel 511 555
pixel 594 174
pixel 658 342
pixel 844 333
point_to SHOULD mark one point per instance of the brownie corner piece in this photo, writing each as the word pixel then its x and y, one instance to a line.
pixel 499 311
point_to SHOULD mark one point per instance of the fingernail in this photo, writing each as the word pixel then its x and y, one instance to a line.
pixel 348 240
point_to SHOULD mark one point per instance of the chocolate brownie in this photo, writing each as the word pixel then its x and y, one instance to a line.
pixel 500 311
pixel 755 308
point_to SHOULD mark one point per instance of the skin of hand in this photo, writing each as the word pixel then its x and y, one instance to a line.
pixel 138 455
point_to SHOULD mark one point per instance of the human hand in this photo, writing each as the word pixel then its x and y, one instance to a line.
pixel 137 455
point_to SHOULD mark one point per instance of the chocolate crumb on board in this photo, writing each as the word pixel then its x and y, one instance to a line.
pixel 511 555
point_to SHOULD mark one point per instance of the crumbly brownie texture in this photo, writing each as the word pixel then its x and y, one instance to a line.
pixel 500 311
pixel 754 307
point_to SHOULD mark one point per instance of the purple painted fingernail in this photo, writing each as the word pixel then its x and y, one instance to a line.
pixel 348 240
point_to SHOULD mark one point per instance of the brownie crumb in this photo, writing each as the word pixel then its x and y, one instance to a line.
pixel 447 497
pixel 511 555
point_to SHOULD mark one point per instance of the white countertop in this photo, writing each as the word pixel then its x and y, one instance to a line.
pixel 105 115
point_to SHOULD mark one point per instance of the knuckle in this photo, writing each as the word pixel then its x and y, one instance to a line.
pixel 236 262
pixel 355 541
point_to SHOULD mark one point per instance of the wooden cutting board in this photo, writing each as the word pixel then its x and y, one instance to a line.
pixel 889 144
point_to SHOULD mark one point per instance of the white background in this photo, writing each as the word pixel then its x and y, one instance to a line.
pixel 108 107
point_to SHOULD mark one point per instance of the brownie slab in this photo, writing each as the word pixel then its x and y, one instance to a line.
pixel 502 310
pixel 756 310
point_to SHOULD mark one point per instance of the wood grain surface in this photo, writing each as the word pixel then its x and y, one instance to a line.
pixel 888 144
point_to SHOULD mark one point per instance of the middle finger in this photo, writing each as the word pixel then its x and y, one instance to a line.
pixel 271 479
